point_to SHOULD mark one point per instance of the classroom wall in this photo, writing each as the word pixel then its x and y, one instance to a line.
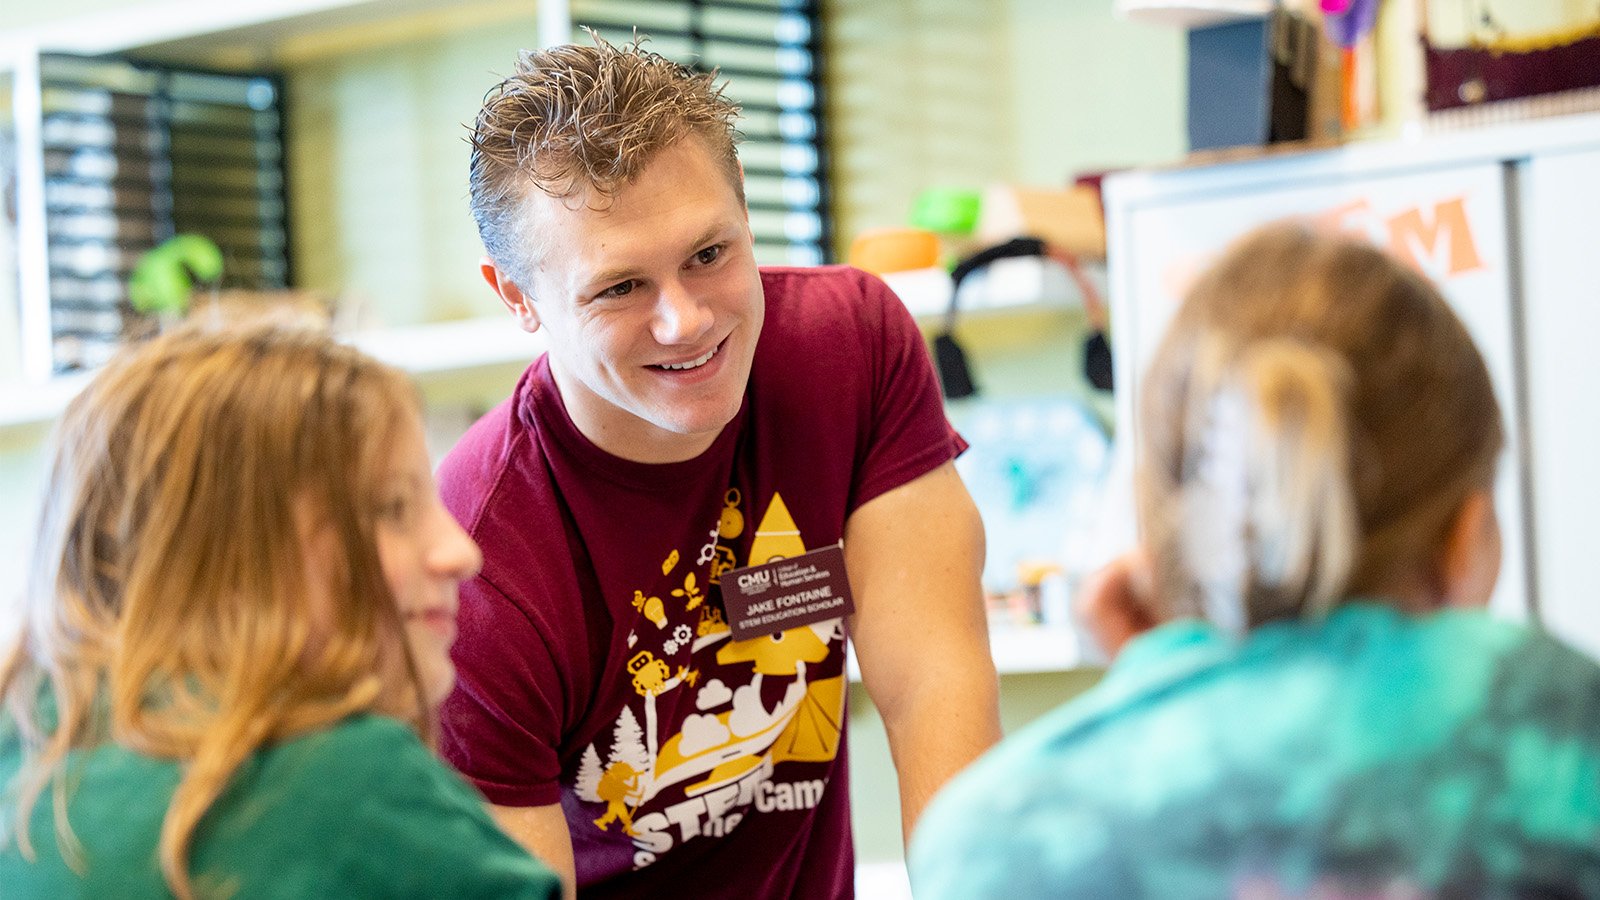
pixel 22 473
pixel 1093 91
pixel 378 172
pixel 913 100
pixel 922 93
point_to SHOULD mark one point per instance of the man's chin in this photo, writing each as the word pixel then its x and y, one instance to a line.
pixel 707 423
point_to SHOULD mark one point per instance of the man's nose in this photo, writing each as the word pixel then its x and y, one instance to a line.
pixel 681 317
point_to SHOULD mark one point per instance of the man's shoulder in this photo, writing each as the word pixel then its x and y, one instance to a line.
pixel 826 292
pixel 828 306
pixel 819 289
pixel 481 465
pixel 820 275
pixel 484 446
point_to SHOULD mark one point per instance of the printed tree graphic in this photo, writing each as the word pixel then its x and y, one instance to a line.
pixel 627 744
pixel 623 782
pixel 589 776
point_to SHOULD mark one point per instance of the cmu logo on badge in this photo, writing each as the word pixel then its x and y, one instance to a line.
pixel 811 587
pixel 755 582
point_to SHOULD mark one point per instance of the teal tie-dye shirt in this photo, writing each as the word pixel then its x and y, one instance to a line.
pixel 1369 754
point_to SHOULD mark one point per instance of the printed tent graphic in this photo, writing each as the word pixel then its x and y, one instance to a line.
pixel 813 734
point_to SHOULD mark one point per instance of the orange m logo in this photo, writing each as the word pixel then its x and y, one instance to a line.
pixel 1414 239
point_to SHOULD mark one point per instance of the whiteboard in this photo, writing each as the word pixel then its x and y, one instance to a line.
pixel 1560 197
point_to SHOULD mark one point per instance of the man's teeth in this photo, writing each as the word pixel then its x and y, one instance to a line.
pixel 693 363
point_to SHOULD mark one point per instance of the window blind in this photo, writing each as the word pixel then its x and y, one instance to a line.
pixel 135 153
pixel 767 51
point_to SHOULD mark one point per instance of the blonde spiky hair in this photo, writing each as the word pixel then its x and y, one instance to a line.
pixel 586 120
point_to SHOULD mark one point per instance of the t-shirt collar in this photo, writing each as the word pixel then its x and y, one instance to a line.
pixel 542 408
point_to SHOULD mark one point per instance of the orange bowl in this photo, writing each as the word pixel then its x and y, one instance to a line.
pixel 884 250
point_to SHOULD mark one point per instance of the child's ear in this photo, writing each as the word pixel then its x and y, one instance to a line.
pixel 1469 561
pixel 1114 603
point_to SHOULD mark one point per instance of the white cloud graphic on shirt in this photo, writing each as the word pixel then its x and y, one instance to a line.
pixel 715 693
pixel 750 715
pixel 701 733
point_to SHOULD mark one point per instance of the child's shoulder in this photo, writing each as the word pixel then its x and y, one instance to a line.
pixel 1533 675
pixel 365 743
pixel 1519 652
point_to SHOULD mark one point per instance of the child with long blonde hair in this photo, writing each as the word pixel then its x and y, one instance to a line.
pixel 236 639
pixel 1322 708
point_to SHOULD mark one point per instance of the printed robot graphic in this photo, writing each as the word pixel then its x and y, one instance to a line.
pixel 723 757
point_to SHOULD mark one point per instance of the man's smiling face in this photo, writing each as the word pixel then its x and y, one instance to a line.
pixel 652 302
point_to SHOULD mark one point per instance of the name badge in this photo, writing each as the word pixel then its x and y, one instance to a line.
pixel 787 593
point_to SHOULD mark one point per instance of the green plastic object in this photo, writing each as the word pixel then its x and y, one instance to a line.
pixel 947 210
pixel 164 277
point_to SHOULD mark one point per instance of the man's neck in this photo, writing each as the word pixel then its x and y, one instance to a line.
pixel 626 436
pixel 646 444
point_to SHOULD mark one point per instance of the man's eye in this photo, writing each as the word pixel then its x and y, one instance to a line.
pixel 709 255
pixel 620 289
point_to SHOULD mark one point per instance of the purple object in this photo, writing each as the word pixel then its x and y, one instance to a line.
pixel 1350 24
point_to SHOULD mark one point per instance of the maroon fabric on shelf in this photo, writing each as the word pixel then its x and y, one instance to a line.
pixel 1497 75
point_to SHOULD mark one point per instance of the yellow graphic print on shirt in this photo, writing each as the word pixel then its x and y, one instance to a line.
pixel 690 592
pixel 649 674
pixel 729 526
pixel 777 537
pixel 652 607
pixel 619 788
pixel 721 760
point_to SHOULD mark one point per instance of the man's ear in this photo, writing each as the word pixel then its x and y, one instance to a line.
pixel 520 304
pixel 1469 560
pixel 1114 603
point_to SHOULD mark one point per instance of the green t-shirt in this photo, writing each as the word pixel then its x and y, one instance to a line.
pixel 1366 754
pixel 361 809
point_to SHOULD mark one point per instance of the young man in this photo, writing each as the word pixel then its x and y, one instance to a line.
pixel 694 416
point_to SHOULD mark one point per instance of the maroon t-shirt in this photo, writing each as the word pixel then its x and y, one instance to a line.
pixel 595 667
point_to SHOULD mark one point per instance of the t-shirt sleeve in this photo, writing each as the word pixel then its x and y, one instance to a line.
pixel 502 724
pixel 419 831
pixel 908 434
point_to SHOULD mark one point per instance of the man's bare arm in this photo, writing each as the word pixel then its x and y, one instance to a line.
pixel 542 831
pixel 915 556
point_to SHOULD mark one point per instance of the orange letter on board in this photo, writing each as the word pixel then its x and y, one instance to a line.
pixel 1410 233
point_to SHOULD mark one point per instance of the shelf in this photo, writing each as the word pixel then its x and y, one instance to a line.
pixel 1005 287
pixel 446 348
pixel 1192 13
pixel 198 30
pixel 25 404
pixel 424 351
pixel 1024 650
